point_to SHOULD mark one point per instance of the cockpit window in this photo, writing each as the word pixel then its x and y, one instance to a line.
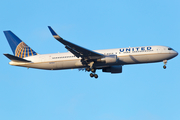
pixel 170 49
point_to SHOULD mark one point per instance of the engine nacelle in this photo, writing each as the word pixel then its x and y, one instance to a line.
pixel 109 59
pixel 113 69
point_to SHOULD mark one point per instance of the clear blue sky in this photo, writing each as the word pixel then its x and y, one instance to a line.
pixel 141 92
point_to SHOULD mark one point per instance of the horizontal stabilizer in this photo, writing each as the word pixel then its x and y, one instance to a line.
pixel 17 59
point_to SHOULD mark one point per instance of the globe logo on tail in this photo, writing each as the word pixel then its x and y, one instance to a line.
pixel 23 50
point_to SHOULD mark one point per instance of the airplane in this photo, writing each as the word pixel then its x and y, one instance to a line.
pixel 77 57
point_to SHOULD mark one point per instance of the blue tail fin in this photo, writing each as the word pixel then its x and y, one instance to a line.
pixel 19 48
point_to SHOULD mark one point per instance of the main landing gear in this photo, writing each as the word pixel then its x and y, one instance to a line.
pixel 93 72
pixel 93 75
pixel 92 69
pixel 165 62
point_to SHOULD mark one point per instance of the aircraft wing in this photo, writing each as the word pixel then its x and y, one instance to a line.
pixel 77 50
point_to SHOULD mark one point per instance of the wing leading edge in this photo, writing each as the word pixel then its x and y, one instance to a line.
pixel 77 50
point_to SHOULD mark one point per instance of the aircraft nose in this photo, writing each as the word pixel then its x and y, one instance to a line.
pixel 176 53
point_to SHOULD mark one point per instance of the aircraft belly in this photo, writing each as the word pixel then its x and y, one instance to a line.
pixel 58 65
pixel 148 58
pixel 46 65
pixel 66 65
pixel 52 65
pixel 159 57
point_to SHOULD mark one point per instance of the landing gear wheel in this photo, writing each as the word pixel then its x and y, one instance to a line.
pixel 91 75
pixel 164 67
pixel 95 75
pixel 93 70
pixel 88 69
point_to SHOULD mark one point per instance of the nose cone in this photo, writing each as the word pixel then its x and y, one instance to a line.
pixel 172 54
pixel 176 53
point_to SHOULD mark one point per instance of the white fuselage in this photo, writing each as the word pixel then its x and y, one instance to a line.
pixel 131 55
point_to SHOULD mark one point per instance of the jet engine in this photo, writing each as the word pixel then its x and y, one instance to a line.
pixel 109 59
pixel 113 69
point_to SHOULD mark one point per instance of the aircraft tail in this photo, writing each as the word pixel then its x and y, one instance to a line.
pixel 19 48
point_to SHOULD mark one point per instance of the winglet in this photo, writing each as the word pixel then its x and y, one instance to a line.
pixel 52 31
pixel 55 35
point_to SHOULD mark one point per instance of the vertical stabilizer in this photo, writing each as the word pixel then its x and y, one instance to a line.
pixel 19 48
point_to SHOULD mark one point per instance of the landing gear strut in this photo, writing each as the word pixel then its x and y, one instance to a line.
pixel 165 62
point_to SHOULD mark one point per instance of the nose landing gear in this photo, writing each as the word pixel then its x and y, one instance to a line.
pixel 165 62
pixel 164 66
